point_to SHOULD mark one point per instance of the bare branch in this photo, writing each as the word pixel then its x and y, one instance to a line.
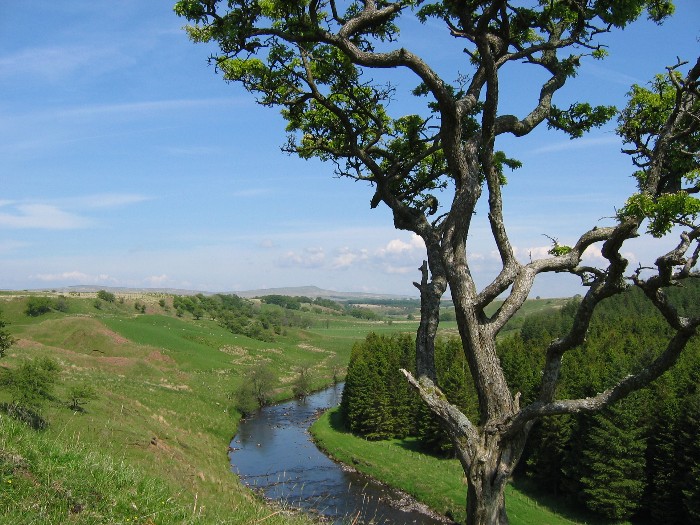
pixel 448 414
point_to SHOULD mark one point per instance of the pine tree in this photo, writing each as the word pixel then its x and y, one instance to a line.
pixel 614 459
pixel 550 451
pixel 663 498
pixel 689 434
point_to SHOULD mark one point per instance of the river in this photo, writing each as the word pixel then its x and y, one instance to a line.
pixel 273 453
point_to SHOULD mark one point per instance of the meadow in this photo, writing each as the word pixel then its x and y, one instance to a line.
pixel 151 448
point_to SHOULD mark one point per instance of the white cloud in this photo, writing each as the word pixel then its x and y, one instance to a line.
pixel 308 258
pixel 9 246
pixel 157 280
pixel 347 257
pixel 590 142
pixel 111 200
pixel 400 257
pixel 610 74
pixel 55 63
pixel 531 253
pixel 74 277
pixel 251 192
pixel 398 247
pixel 593 256
pixel 42 216
pixel 399 270
pixel 55 214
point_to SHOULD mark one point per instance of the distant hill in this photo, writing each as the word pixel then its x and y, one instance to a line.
pixel 306 291
pixel 315 291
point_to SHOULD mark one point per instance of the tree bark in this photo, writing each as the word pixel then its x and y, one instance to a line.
pixel 430 294
pixel 486 505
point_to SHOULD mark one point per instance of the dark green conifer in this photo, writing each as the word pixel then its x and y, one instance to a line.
pixel 614 460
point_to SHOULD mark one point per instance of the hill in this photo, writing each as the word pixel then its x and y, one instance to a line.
pixel 294 291
pixel 151 447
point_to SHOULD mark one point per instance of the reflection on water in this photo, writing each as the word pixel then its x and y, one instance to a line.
pixel 273 453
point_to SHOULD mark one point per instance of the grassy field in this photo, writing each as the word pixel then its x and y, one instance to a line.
pixel 151 449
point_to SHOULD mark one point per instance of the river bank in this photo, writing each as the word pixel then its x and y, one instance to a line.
pixel 435 482
pixel 274 455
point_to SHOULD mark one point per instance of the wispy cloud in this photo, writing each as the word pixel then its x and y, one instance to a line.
pixel 17 117
pixel 109 200
pixel 267 244
pixel 308 258
pixel 591 142
pixel 142 107
pixel 191 151
pixel 74 276
pixel 610 75
pixel 251 192
pixel 41 216
pixel 347 257
pixel 61 214
pixel 157 280
pixel 56 63
pixel 9 246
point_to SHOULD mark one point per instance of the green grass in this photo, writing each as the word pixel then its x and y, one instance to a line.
pixel 162 416
pixel 437 482
pixel 48 481
pixel 160 426
pixel 45 480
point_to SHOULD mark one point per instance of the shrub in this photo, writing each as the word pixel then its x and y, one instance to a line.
pixel 106 296
pixel 301 387
pixel 30 384
pixel 6 340
pixel 37 306
pixel 80 395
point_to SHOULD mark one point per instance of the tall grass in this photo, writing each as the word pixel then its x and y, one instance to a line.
pixel 49 481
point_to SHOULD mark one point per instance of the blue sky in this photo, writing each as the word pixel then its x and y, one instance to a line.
pixel 125 161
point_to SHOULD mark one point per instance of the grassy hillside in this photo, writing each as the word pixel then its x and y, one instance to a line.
pixel 152 447
pixel 160 426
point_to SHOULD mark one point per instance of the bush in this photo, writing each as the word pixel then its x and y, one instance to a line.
pixel 255 392
pixel 106 296
pixel 37 306
pixel 61 304
pixel 301 387
pixel 80 395
pixel 6 340
pixel 30 384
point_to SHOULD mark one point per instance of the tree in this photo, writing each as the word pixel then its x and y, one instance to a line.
pixel 80 395
pixel 37 306
pixel 6 339
pixel 255 392
pixel 301 385
pixel 106 296
pixel 431 167
pixel 614 458
pixel 690 458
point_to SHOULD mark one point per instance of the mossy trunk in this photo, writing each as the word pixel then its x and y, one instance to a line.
pixel 486 504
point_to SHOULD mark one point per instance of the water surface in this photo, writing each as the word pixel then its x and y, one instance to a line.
pixel 274 454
